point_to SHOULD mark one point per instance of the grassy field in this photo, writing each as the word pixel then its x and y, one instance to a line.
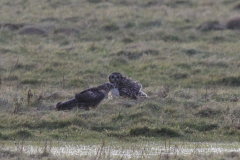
pixel 185 53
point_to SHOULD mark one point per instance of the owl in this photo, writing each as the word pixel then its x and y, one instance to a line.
pixel 126 86
pixel 91 97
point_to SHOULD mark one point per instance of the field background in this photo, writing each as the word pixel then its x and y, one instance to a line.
pixel 185 53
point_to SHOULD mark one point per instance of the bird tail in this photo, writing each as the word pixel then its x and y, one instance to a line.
pixel 68 105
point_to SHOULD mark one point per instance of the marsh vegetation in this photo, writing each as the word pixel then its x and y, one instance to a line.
pixel 185 53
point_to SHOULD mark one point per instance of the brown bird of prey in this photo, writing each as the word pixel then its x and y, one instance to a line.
pixel 91 97
pixel 126 86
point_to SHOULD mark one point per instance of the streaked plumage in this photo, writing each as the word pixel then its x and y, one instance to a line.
pixel 91 97
pixel 126 86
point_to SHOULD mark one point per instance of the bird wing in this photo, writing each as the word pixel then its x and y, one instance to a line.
pixel 131 85
pixel 93 96
pixel 129 88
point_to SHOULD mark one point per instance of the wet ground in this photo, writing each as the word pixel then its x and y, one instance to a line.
pixel 147 150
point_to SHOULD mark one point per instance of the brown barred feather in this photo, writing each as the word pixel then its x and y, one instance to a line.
pixel 126 86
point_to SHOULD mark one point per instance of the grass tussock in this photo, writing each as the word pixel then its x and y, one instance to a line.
pixel 32 31
pixel 234 23
pixel 155 132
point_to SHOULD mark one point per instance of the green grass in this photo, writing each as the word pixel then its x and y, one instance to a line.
pixel 156 43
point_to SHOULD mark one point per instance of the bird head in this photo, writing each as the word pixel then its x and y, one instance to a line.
pixel 115 78
pixel 108 86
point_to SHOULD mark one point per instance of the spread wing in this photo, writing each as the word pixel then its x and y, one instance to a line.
pixel 90 97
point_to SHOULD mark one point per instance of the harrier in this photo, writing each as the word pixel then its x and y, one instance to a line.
pixel 91 97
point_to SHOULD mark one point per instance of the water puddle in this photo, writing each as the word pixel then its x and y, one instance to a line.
pixel 146 150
